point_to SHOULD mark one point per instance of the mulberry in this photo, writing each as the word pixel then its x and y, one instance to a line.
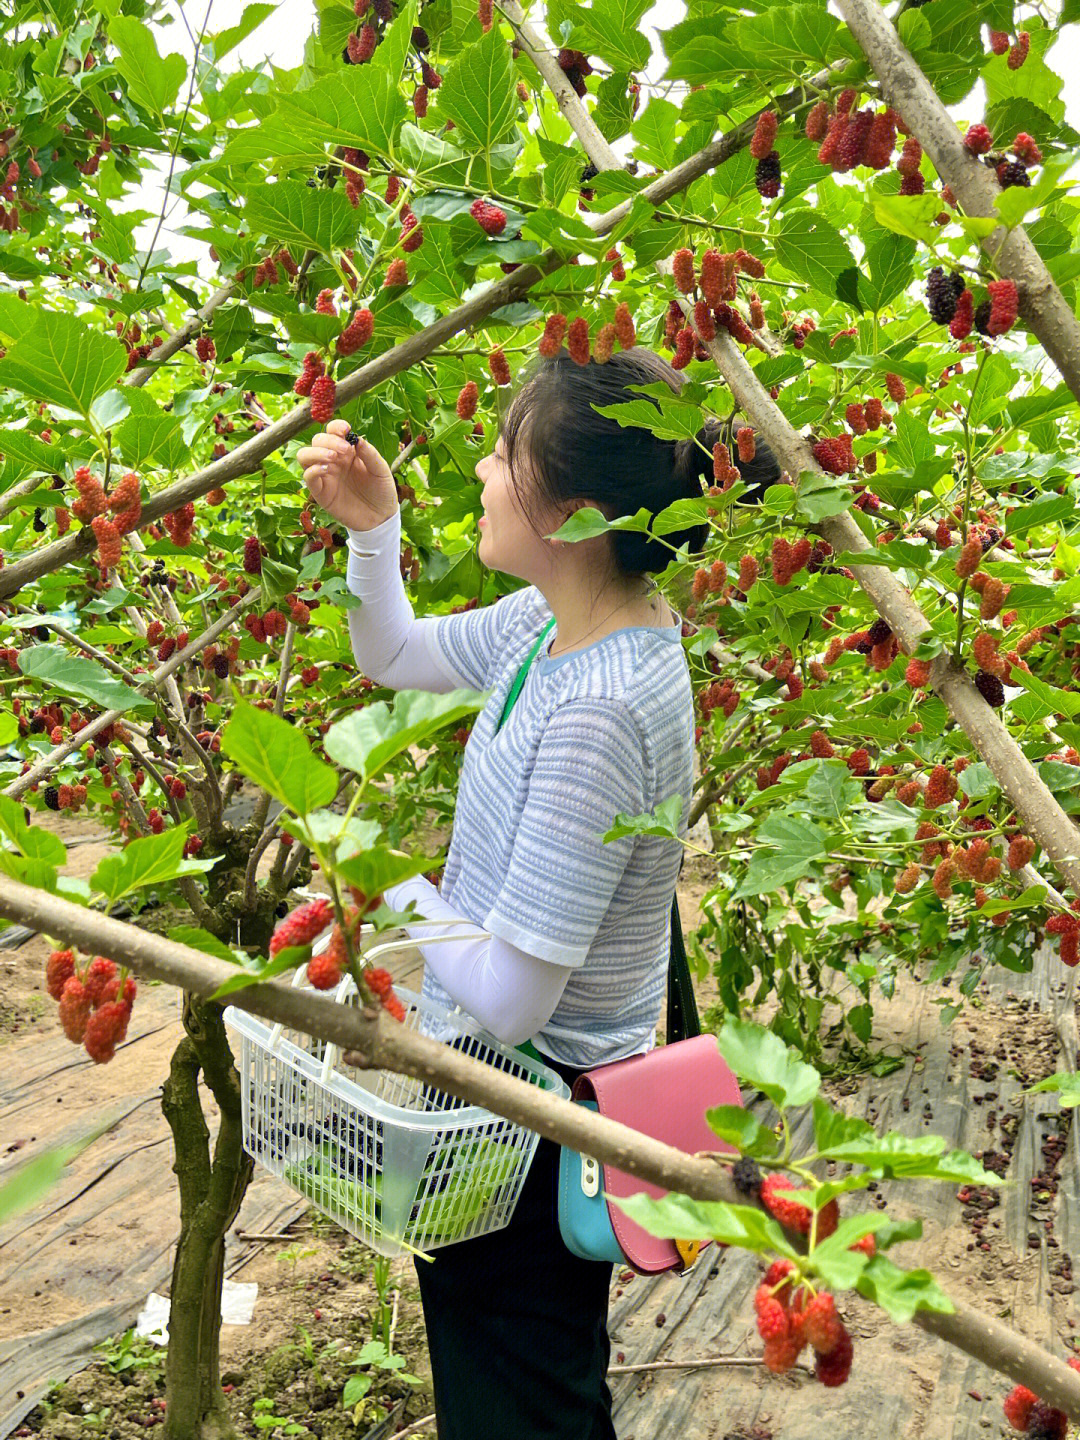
pixel 747 444
pixel 834 1368
pixel 323 394
pixel 969 559
pixel 684 348
pixel 907 879
pixel 943 878
pixel 834 454
pixel 109 540
pixel 624 326
pixel 834 136
pixel 910 158
pixel 821 1324
pixel 896 388
pixel 767 176
pixel 467 400
pixel 324 970
pixel 940 788
pixel 577 340
pixel 703 321
pixel 253 555
pixel 963 317
pixel 993 597
pixel 397 273
pixel 942 293
pixel 357 333
pixel 978 139
pixel 75 1007
pixel 604 343
pixel 303 925
pixel 764 134
pixel 106 1029
pixel 1003 310
pixel 748 573
pixel 990 688
pixel 999 45
pixel 499 367
pixel 1026 150
pixel 552 338
pixel 1021 852
pixel 489 217
pixel 59 968
pixel 713 277
pixel 855 416
pixel 817 121
pixel 917 673
pixel 1019 52
pixel 682 270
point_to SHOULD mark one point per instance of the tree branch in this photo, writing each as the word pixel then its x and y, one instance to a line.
pixel 377 1042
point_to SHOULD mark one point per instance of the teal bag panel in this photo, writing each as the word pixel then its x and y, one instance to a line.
pixel 584 1220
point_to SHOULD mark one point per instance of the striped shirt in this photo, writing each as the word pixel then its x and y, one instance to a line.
pixel 605 730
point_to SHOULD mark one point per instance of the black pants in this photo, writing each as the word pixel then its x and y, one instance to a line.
pixel 517 1325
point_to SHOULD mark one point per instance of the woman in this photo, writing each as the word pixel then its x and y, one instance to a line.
pixel 569 937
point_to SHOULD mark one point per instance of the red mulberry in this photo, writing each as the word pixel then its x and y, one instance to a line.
pixel 552 338
pixel 1019 52
pixel 682 269
pixel 1003 308
pixel 969 559
pixel 498 367
pixel 577 340
pixel 764 134
pixel 999 45
pixel 467 400
pixel 896 388
pixel 252 555
pixel 978 139
pixel 1025 148
pixel 323 393
pixel 963 317
pixel 910 157
pixel 604 343
pixel 303 925
pixel 747 444
pixel 624 326
pixel 817 121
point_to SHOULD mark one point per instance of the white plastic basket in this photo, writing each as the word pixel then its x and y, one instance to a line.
pixel 397 1163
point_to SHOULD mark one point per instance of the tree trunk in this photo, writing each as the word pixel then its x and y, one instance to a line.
pixel 210 1196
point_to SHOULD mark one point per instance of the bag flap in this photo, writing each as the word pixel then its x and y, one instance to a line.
pixel 663 1094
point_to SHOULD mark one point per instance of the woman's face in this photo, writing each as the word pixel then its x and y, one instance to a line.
pixel 507 540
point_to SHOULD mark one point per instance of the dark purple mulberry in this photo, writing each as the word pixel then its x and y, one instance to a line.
pixel 767 176
pixel 942 293
pixel 990 688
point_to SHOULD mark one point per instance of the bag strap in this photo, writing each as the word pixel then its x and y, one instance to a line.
pixel 683 1021
pixel 519 679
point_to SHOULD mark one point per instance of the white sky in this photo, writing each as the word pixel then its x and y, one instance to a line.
pixel 280 39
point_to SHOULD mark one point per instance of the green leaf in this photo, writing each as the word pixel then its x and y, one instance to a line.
pixel 225 40
pixel 78 675
pixel 910 215
pixel 785 39
pixel 708 59
pixel 1017 201
pixel 278 757
pixel 671 421
pixel 740 1128
pixel 611 29
pixel 1044 510
pixel 801 843
pixel 677 1217
pixel 287 959
pixel 152 82
pixel 1060 702
pixel 392 51
pixel 30 840
pixel 292 213
pixel 654 133
pixel 833 1127
pixel 761 1059
pixel 890 262
pixel 812 250
pixel 37 1177
pixel 62 361
pixel 150 860
pixel 379 869
pixel 368 739
pixel 819 496
pixel 198 939
pixel 832 790
pixel 363 108
pixel 1064 1083
pixel 901 1292
pixel 895 1155
pixel 478 93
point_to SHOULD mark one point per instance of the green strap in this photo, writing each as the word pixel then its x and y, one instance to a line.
pixel 519 679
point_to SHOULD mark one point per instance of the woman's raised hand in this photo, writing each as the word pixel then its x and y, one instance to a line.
pixel 353 483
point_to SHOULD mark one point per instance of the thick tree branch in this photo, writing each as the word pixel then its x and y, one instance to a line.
pixel 909 92
pixel 380 1043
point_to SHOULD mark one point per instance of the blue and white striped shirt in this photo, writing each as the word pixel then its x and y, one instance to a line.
pixel 604 730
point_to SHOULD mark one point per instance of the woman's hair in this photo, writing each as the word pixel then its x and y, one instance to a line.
pixel 574 453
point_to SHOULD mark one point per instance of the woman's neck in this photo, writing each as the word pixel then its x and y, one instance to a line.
pixel 640 610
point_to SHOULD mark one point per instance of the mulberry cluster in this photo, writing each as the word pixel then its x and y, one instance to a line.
pixel 849 140
pixel 314 366
pixel 942 294
pixel 788 559
pixel 834 454
pixel 95 1006
pixel 302 926
pixel 575 66
pixel 792 1213
pixel 91 501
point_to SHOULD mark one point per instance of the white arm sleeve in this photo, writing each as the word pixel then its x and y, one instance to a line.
pixel 389 644
pixel 511 993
